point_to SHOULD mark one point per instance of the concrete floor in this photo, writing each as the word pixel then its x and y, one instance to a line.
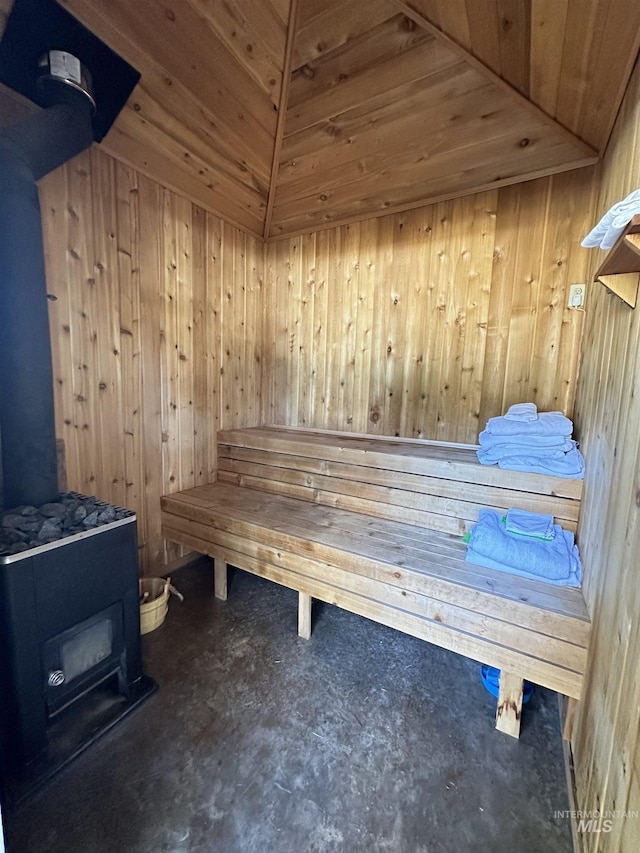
pixel 358 741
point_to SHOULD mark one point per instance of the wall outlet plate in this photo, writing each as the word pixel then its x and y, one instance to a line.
pixel 576 295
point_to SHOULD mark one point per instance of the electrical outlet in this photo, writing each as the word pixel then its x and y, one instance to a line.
pixel 576 295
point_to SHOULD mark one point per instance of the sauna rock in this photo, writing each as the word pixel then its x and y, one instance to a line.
pixel 28 527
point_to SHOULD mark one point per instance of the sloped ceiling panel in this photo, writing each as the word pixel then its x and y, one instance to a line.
pixel 572 58
pixel 203 118
pixel 388 116
pixel 390 103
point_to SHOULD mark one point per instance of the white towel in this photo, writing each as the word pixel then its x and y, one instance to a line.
pixel 522 412
pixel 613 223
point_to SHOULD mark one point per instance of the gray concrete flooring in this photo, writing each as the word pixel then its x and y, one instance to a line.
pixel 358 741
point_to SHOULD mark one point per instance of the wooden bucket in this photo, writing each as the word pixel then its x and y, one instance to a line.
pixel 154 602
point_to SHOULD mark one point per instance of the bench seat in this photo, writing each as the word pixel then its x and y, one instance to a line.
pixel 285 508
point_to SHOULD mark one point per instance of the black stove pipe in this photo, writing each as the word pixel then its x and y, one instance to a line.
pixel 28 151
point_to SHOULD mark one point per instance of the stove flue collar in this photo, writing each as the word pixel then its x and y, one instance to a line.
pixel 62 78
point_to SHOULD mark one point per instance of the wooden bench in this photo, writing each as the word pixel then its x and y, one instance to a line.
pixel 375 525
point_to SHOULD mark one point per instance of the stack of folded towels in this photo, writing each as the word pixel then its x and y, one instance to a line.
pixel 527 440
pixel 527 544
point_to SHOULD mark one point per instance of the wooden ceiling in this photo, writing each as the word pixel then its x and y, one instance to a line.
pixel 284 116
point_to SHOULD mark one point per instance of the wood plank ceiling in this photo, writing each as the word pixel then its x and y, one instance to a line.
pixel 285 116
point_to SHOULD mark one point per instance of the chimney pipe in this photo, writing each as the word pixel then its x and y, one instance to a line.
pixel 28 151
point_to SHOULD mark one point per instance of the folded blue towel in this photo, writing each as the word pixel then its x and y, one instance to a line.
pixel 497 452
pixel 525 523
pixel 547 423
pixel 522 412
pixel 555 561
pixel 569 465
pixel 524 442
pixel 574 579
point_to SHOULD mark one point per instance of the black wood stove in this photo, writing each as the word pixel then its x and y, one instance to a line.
pixel 70 632
pixel 70 660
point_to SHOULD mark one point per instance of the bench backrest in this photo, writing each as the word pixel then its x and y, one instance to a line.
pixel 431 484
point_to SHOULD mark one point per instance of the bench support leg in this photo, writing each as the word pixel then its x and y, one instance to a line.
pixel 220 578
pixel 509 708
pixel 304 615
pixel 569 717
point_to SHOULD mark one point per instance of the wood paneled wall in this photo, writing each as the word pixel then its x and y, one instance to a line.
pixel 153 316
pixel 427 323
pixel 606 742
pixel 168 323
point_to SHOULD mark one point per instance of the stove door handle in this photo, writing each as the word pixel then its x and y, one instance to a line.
pixel 56 678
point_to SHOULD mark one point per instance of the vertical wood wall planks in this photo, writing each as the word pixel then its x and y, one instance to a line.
pixel 394 282
pixel 338 328
pixel 280 284
pixel 202 381
pixel 479 248
pixel 254 265
pixel 128 281
pixel 215 368
pixel 429 322
pixel 143 370
pixel 350 235
pixel 185 366
pixel 268 335
pixel 54 211
pixel 382 258
pixel 306 378
pixel 320 324
pixel 418 326
pixel 149 199
pixel 525 303
pixel 500 301
pixel 364 324
pixel 169 357
pixel 233 324
pixel 293 306
pixel 605 740
pixel 84 338
pixel 452 303
pixel 106 338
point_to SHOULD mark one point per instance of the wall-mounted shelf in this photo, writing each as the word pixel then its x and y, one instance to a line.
pixel 620 270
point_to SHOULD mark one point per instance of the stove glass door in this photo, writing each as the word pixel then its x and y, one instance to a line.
pixel 82 656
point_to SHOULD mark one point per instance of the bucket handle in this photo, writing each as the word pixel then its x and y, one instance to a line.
pixel 173 590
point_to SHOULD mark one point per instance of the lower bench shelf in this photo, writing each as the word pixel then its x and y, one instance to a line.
pixel 409 578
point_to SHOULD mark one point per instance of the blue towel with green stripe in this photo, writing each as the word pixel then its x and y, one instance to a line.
pixel 525 523
pixel 555 561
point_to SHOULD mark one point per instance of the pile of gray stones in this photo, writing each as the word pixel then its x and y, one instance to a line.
pixel 27 527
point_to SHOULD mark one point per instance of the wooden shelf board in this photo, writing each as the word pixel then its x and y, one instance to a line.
pixel 620 270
